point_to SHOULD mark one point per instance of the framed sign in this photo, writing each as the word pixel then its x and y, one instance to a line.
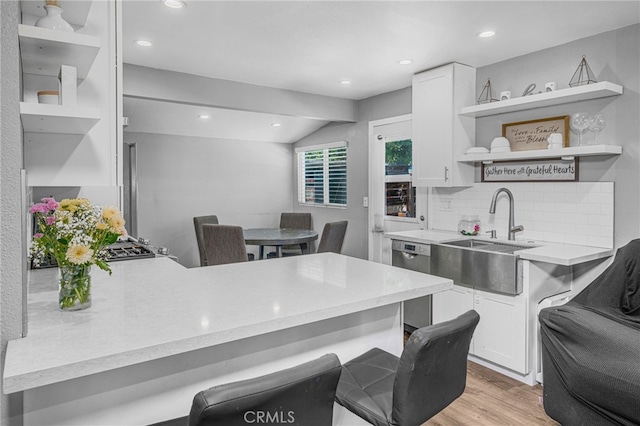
pixel 554 170
pixel 533 134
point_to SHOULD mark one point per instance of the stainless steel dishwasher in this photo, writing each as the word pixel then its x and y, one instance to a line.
pixel 416 257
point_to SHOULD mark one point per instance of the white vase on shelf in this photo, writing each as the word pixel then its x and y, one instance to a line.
pixel 53 19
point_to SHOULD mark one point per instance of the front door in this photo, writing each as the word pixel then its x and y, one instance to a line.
pixel 394 203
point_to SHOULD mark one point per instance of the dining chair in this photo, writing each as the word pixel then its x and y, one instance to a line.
pixel 224 244
pixel 302 395
pixel 198 221
pixel 332 237
pixel 293 221
pixel 430 374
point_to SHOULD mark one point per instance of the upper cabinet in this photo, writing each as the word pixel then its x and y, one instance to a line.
pixel 74 144
pixel 440 134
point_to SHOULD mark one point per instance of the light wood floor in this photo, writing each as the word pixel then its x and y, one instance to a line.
pixel 493 399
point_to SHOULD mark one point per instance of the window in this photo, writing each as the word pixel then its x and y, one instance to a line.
pixel 400 194
pixel 322 174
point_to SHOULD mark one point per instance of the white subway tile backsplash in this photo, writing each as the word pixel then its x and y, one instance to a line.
pixel 570 212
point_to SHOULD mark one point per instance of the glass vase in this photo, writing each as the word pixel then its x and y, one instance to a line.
pixel 74 287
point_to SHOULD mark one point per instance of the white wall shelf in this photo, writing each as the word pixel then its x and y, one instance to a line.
pixel 45 118
pixel 44 50
pixel 76 13
pixel 602 89
pixel 539 154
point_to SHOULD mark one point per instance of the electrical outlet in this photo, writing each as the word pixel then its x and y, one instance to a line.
pixel 365 201
pixel 446 204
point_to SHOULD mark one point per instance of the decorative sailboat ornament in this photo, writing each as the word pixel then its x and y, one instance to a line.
pixel 583 74
pixel 486 95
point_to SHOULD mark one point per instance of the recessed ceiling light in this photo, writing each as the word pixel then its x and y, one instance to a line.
pixel 486 34
pixel 276 124
pixel 174 4
pixel 144 43
pixel 345 82
pixel 204 116
pixel 405 61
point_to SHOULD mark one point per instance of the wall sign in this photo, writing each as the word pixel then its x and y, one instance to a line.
pixel 554 170
pixel 533 134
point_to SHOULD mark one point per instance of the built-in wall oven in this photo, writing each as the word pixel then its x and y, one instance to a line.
pixel 416 257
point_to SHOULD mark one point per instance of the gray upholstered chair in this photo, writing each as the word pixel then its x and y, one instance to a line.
pixel 332 237
pixel 301 395
pixel 198 221
pixel 431 373
pixel 224 244
pixel 293 221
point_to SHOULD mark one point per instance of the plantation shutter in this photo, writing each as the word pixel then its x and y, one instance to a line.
pixel 322 174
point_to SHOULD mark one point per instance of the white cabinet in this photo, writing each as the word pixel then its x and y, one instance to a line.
pixel 501 334
pixel 440 135
pixel 72 146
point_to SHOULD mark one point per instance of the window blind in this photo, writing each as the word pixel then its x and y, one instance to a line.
pixel 322 174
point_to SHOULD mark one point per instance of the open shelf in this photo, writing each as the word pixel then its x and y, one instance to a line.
pixel 538 154
pixel 45 118
pixel 74 12
pixel 44 50
pixel 557 97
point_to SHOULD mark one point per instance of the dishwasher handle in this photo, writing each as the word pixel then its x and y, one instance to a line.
pixel 408 256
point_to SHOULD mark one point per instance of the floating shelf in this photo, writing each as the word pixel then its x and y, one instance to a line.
pixel 44 50
pixel 74 12
pixel 557 97
pixel 45 118
pixel 538 154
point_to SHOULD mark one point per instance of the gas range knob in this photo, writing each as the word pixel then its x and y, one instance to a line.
pixel 143 241
pixel 163 251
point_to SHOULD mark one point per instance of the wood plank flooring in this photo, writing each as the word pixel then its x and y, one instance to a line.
pixel 493 399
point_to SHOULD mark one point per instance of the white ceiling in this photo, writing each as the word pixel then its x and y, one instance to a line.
pixel 310 46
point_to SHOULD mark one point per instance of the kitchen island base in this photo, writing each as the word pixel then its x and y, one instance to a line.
pixel 164 388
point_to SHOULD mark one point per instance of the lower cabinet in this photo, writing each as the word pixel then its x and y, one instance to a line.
pixel 501 335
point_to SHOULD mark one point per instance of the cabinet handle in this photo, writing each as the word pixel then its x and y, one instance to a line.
pixel 446 174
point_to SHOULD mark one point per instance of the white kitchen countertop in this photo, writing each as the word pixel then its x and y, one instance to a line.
pixel 154 308
pixel 560 254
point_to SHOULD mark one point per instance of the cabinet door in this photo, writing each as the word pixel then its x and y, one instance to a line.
pixel 501 335
pixel 447 305
pixel 439 134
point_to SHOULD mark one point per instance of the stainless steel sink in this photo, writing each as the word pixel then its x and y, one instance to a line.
pixel 485 265
pixel 485 245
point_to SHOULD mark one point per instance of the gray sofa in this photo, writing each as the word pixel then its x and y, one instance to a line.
pixel 591 349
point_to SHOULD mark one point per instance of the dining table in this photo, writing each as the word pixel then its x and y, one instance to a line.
pixel 278 237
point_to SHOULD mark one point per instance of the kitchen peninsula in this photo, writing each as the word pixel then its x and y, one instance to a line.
pixel 157 333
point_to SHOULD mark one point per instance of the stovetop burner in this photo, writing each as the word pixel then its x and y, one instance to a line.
pixel 124 250
pixel 120 250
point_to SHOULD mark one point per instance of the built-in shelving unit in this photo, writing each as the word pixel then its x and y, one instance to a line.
pixel 75 12
pixel 565 153
pixel 43 50
pixel 44 118
pixel 557 97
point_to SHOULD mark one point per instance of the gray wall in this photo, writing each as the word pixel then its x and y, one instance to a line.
pixel 383 106
pixel 244 183
pixel 613 56
pixel 11 241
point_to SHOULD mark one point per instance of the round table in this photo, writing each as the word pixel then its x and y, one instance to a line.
pixel 279 237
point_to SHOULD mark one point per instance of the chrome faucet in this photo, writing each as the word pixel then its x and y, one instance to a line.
pixel 492 210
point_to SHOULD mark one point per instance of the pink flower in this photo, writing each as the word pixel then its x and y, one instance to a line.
pixel 39 208
pixel 38 235
pixel 50 220
pixel 51 203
